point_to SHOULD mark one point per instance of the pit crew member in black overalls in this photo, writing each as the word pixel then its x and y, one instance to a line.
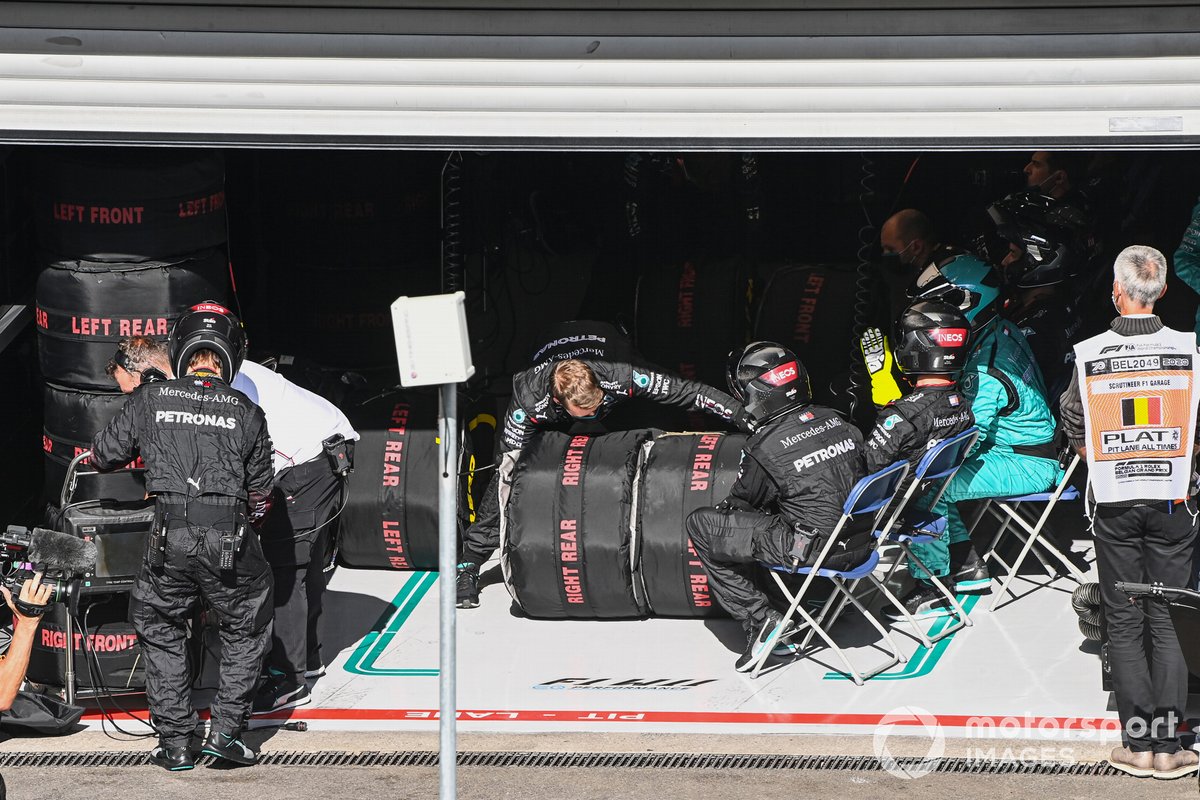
pixel 932 344
pixel 208 465
pixel 797 470
pixel 308 495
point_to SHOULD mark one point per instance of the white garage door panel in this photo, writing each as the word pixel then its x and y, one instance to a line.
pixel 851 103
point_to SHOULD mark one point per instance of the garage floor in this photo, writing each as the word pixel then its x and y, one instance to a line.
pixel 1023 670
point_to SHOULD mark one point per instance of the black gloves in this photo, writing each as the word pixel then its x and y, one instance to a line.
pixel 744 421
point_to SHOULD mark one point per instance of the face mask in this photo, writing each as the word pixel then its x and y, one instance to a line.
pixel 1041 187
pixel 895 262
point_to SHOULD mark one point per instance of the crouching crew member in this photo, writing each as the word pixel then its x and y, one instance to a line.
pixel 1131 411
pixel 797 470
pixel 932 341
pixel 552 396
pixel 208 465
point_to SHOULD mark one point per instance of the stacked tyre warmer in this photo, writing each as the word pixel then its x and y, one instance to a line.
pixel 343 235
pixel 804 308
pixel 593 526
pixel 690 314
pixel 128 240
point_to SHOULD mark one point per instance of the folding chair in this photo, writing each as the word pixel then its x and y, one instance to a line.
pixel 908 526
pixel 868 501
pixel 1007 511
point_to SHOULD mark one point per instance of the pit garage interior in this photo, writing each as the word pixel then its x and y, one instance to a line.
pixel 695 174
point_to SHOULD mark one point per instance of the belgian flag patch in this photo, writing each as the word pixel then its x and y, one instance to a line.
pixel 1141 411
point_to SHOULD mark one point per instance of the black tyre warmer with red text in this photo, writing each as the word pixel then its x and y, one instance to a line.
pixel 125 205
pixel 84 308
pixel 390 519
pixel 351 209
pixel 567 546
pixel 347 234
pixel 107 654
pixel 691 314
pixel 680 473
pixel 71 418
pixel 810 310
pixel 340 314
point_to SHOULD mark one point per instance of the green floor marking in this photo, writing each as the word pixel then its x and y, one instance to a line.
pixel 362 661
pixel 925 658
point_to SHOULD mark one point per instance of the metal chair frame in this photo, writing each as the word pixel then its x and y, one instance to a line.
pixel 869 500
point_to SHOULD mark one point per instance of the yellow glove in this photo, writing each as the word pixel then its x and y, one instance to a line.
pixel 878 357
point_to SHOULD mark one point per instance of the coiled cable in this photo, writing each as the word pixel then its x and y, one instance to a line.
pixel 867 234
pixel 454 262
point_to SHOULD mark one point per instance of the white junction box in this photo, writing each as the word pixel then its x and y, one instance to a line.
pixel 431 339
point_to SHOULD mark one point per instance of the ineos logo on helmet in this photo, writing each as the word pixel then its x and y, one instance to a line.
pixel 768 379
pixel 212 308
pixel 949 337
pixel 208 326
pixel 780 375
pixel 930 336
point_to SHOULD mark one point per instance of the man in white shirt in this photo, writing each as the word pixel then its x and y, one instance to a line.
pixel 296 534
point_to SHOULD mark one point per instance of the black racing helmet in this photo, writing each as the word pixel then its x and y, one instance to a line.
pixel 932 338
pixel 768 379
pixel 1050 234
pixel 208 326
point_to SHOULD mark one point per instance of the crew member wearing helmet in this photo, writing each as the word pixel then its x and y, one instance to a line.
pixel 577 381
pixel 308 496
pixel 797 470
pixel 932 342
pixel 208 465
pixel 1045 255
pixel 1015 452
pixel 910 243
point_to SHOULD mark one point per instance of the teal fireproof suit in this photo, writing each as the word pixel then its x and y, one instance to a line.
pixel 1014 454
pixel 1187 258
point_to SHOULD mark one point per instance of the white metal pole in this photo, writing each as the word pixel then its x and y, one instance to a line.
pixel 447 562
